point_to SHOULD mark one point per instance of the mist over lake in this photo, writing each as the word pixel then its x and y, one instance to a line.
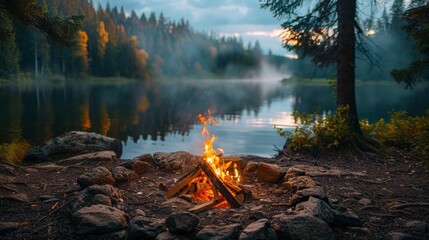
pixel 162 116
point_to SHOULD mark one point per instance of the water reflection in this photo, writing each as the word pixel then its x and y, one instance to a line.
pixel 162 116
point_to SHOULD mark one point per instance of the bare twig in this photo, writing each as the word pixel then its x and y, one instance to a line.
pixel 52 212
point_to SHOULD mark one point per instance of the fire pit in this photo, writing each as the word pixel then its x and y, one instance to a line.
pixel 215 182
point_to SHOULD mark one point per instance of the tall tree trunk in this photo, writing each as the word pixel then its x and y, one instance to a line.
pixel 346 61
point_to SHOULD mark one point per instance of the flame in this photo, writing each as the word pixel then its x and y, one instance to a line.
pixel 211 156
pixel 223 170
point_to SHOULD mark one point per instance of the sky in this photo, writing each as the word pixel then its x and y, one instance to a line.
pixel 241 18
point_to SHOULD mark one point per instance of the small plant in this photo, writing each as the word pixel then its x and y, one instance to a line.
pixel 317 133
pixel 14 151
pixel 403 132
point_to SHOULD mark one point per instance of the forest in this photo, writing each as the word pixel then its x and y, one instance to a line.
pixel 114 44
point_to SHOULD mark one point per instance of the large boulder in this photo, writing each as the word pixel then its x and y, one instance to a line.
pixel 72 144
pixel 98 219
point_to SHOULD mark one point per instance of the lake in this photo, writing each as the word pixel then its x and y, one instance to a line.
pixel 162 116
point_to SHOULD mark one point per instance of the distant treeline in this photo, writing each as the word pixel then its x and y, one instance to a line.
pixel 113 44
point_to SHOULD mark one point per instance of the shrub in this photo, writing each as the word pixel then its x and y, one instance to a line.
pixel 316 133
pixel 403 132
pixel 14 151
pixel 321 133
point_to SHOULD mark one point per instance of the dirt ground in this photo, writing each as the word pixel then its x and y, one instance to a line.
pixel 397 189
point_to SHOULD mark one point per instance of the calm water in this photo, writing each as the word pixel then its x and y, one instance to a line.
pixel 163 116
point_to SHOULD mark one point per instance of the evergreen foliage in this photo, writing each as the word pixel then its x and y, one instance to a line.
pixel 120 45
pixel 418 28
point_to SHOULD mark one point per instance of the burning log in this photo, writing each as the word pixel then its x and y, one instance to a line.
pixel 217 183
pixel 184 181
pixel 222 177
pixel 230 192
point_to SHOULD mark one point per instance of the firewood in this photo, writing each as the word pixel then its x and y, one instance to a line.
pixel 233 187
pixel 175 188
pixel 219 185
pixel 240 198
pixel 203 207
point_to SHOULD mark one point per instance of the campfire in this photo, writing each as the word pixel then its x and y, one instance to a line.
pixel 215 182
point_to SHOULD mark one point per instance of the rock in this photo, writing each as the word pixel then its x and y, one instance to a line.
pixel 316 208
pixel 269 173
pixel 138 166
pixel 145 228
pixel 98 175
pixel 260 229
pixel 303 228
pixel 250 169
pixel 119 235
pixel 301 182
pixel 417 226
pixel 148 158
pixel 107 189
pixel 182 222
pixel 7 227
pixel 171 236
pixel 176 161
pixel 219 232
pixel 251 166
pixel 101 199
pixel 293 172
pixel 401 236
pixel 347 219
pixel 99 219
pixel 140 212
pixel 84 198
pixel 365 201
pixel 178 203
pixel 305 194
pixel 123 175
pixel 103 156
pixel 73 144
pixel 19 197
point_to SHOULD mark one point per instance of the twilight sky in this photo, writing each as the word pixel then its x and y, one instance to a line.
pixel 242 18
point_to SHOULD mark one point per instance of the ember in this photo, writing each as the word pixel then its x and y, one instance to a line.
pixel 214 183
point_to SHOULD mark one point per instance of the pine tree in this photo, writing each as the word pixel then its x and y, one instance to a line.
pixel 9 57
pixel 308 33
pixel 102 40
pixel 396 12
pixel 81 64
